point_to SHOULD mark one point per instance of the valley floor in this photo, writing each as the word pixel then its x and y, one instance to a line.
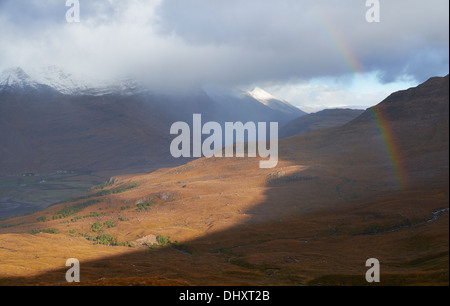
pixel 295 225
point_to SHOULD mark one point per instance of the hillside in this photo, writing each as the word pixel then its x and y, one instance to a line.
pixel 54 121
pixel 320 120
pixel 376 187
pixel 45 133
pixel 62 134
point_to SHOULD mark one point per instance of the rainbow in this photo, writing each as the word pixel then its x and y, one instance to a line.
pixel 340 44
pixel 355 66
pixel 385 129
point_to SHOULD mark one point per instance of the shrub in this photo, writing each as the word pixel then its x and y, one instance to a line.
pixel 97 227
pixel 45 230
pixel 106 240
pixel 104 192
pixel 109 224
pixel 91 215
pixel 123 189
pixel 102 186
pixel 122 219
pixel 71 210
pixel 42 219
pixel 163 240
pixel 144 206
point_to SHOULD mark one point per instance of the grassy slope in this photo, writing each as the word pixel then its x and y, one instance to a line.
pixel 241 232
pixel 333 202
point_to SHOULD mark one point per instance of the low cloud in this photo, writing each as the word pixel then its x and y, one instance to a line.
pixel 174 44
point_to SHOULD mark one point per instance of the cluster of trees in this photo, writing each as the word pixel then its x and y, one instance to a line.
pixel 144 206
pixel 71 210
pixel 98 227
pixel 44 230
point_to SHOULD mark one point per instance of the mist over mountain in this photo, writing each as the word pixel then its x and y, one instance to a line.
pixel 53 120
pixel 56 78
pixel 114 115
pixel 375 187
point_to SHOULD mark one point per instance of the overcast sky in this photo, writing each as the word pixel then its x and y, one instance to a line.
pixel 313 53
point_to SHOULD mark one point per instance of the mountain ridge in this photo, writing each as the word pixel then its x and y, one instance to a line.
pixel 48 128
pixel 323 119
pixel 66 83
pixel 332 202
pixel 273 102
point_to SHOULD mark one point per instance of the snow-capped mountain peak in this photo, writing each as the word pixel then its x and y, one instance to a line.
pixel 261 95
pixel 224 96
pixel 66 83
pixel 59 79
pixel 16 78
pixel 271 101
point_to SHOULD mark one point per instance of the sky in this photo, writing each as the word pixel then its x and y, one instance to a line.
pixel 313 53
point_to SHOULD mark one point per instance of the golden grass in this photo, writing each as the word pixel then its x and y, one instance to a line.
pixel 239 231
pixel 314 219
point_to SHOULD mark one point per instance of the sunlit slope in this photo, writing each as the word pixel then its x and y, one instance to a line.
pixel 376 187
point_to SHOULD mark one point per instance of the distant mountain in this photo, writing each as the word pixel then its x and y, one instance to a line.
pixel 55 78
pixel 428 101
pixel 60 80
pixel 215 104
pixel 323 119
pixel 273 102
pixel 15 79
pixel 406 136
pixel 377 186
pixel 256 105
pixel 43 133
pixel 51 120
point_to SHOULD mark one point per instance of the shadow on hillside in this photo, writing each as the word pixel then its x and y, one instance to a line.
pixel 317 247
pixel 312 227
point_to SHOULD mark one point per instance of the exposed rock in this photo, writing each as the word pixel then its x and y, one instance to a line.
pixel 147 240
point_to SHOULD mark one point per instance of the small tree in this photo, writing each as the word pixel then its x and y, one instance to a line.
pixel 42 219
pixel 106 240
pixel 110 224
pixel 97 227
pixel 162 240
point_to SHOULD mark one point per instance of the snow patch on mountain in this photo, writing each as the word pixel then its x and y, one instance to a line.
pixel 66 82
pixel 16 78
pixel 273 102
pixel 60 80
pixel 257 95
pixel 261 95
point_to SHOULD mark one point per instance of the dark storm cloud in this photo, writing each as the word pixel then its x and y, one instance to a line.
pixel 250 23
pixel 33 15
pixel 191 42
pixel 310 38
pixel 27 14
